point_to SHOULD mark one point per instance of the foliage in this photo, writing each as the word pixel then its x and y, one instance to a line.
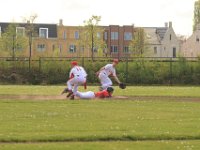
pixel 91 36
pixel 137 71
pixel 196 17
pixel 138 44
pixel 12 42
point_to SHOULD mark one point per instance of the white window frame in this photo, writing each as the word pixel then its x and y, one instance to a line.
pixel 72 48
pixel 23 31
pixel 47 32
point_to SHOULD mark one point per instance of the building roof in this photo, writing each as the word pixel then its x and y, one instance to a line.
pixel 52 28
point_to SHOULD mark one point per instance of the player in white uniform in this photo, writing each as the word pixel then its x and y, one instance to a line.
pixel 77 76
pixel 106 71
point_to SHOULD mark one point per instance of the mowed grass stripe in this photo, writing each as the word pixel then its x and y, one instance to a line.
pixel 114 120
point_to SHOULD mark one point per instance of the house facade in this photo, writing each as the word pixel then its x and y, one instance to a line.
pixel 161 41
pixel 191 46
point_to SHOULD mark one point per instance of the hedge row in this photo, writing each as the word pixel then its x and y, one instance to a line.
pixel 133 72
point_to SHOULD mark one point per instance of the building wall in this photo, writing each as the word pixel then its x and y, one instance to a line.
pixel 169 43
pixel 191 47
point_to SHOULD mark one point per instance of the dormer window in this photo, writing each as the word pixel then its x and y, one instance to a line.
pixel 43 32
pixel 197 39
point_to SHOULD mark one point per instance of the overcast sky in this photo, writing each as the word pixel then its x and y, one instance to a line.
pixel 143 13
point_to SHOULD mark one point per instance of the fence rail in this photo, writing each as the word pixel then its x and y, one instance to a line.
pixel 132 70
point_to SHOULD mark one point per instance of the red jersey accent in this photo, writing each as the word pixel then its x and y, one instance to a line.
pixel 102 94
pixel 72 76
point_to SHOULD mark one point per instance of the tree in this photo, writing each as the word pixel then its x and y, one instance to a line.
pixel 30 31
pixel 13 40
pixel 137 45
pixel 196 19
pixel 91 36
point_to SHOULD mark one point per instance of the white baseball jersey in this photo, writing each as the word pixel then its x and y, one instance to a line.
pixel 77 77
pixel 77 71
pixel 109 70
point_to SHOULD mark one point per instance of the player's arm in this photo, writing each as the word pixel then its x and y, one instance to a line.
pixel 102 68
pixel 116 79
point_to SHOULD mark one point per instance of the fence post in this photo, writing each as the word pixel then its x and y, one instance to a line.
pixel 29 64
pixel 170 80
pixel 40 64
pixel 126 70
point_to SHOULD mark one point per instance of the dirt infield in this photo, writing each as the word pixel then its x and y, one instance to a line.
pixel 62 97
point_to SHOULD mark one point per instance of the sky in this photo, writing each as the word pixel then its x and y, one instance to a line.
pixel 141 13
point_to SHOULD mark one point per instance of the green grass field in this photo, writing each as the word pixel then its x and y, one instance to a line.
pixel 113 124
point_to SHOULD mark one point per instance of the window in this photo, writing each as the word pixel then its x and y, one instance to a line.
pixel 82 48
pixel 170 37
pixel 105 35
pixel 72 48
pixel 41 47
pixel 126 49
pixel 20 31
pixel 19 47
pixel 98 35
pixel 114 35
pixel 60 47
pixel 155 50
pixel 53 47
pixel 114 49
pixel 65 35
pixel 76 35
pixel 43 32
pixel 127 36
pixel 95 49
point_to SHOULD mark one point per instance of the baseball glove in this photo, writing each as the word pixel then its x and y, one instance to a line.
pixel 122 85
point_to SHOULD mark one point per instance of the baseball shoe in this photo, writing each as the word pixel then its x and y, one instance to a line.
pixel 72 97
pixel 69 94
pixel 65 91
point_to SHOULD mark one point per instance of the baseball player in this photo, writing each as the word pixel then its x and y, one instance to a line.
pixel 91 95
pixel 77 76
pixel 106 71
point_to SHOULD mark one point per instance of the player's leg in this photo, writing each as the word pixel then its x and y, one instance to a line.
pixel 106 82
pixel 85 95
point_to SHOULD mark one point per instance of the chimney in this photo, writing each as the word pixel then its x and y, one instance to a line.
pixel 166 25
pixel 60 22
pixel 170 24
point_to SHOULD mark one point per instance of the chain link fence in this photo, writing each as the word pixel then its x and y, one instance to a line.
pixel 132 70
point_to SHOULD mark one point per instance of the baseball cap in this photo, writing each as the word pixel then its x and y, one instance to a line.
pixel 74 63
